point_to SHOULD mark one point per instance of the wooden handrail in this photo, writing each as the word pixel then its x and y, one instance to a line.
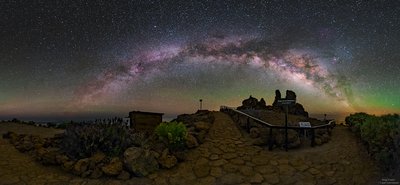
pixel 275 126
pixel 270 140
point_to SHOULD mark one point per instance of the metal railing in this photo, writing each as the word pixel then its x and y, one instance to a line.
pixel 232 111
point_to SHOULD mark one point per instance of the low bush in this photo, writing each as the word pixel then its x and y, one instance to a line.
pixel 381 135
pixel 173 133
pixel 83 140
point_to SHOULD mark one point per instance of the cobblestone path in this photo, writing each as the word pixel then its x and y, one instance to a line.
pixel 225 158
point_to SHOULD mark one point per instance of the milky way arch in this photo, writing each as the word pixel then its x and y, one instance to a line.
pixel 287 63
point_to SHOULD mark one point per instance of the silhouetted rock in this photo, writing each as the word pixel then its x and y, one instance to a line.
pixel 261 104
pixel 290 95
pixel 253 103
pixel 249 103
pixel 278 96
pixel 296 109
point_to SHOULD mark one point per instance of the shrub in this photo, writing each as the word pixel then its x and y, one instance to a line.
pixel 83 140
pixel 355 120
pixel 173 132
pixel 381 135
pixel 62 125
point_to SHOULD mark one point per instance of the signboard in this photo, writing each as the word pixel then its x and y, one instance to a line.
pixel 305 124
pixel 286 102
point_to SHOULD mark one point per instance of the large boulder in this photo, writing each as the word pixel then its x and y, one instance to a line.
pixel 113 168
pixel 140 162
pixel 166 160
pixel 191 141
pixel 97 158
pixel 47 156
pixel 81 166
pixel 25 144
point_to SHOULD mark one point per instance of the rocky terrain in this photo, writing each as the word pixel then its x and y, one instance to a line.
pixel 253 104
pixel 226 156
pixel 275 115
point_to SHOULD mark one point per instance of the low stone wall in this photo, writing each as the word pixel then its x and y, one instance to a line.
pixel 136 161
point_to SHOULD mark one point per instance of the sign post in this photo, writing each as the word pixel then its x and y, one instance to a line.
pixel 285 103
pixel 304 125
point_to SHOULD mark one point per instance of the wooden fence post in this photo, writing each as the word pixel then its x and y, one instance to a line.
pixel 312 137
pixel 248 125
pixel 270 142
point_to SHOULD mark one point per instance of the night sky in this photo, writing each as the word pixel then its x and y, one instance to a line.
pixel 64 60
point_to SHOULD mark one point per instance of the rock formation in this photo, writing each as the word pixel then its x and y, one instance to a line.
pixel 140 162
pixel 253 103
pixel 296 109
pixel 277 97
pixel 290 95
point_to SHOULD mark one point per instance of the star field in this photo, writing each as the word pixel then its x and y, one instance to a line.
pixel 87 59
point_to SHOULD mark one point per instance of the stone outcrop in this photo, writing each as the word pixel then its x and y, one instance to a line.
pixel 227 157
pixel 113 168
pixel 140 162
pixel 296 109
pixel 81 166
pixel 253 103
pixel 191 141
pixel 197 125
pixel 190 119
pixel 166 160
pixel 278 96
pixel 290 95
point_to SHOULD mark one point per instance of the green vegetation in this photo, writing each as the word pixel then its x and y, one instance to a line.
pixel 83 140
pixel 380 134
pixel 172 132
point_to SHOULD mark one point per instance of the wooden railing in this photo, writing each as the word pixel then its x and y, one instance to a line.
pixel 234 112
